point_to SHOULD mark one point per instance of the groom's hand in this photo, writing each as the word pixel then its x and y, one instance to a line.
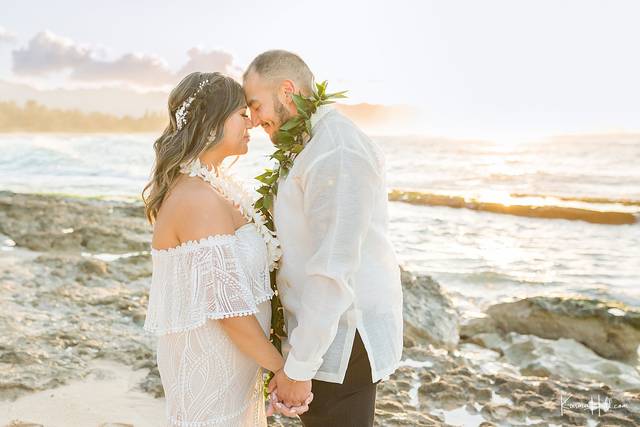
pixel 291 392
pixel 276 406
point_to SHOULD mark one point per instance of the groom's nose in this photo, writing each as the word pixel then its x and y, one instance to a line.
pixel 255 120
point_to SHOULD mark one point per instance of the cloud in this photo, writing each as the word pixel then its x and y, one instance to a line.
pixel 6 36
pixel 145 70
pixel 48 53
pixel 215 60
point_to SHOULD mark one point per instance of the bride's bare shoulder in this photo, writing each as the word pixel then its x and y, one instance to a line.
pixel 192 210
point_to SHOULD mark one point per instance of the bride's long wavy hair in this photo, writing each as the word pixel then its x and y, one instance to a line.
pixel 205 118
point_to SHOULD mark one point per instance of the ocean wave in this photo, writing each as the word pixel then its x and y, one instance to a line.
pixel 598 200
pixel 511 207
pixel 484 277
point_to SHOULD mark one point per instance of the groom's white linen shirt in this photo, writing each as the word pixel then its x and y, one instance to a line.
pixel 338 271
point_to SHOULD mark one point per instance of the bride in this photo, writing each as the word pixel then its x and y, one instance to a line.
pixel 211 252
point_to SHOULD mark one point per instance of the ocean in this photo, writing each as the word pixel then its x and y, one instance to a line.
pixel 491 222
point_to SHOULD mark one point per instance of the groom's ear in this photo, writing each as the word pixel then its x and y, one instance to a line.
pixel 288 88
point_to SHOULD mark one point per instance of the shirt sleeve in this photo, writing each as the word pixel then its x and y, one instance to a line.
pixel 339 189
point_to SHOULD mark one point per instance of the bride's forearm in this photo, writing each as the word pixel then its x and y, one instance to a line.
pixel 247 334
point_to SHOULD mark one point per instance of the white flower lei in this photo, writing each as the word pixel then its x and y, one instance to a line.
pixel 235 192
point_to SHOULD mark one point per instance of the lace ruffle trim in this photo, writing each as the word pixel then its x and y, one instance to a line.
pixel 194 244
pixel 207 316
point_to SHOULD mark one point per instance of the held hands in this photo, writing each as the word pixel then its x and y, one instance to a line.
pixel 288 396
pixel 276 406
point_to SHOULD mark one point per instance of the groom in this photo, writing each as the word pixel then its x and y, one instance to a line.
pixel 338 280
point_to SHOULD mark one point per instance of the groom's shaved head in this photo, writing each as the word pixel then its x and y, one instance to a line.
pixel 278 65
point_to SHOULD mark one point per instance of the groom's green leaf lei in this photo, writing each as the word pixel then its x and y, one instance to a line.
pixel 289 142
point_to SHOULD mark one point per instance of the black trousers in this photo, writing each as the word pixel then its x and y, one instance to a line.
pixel 350 404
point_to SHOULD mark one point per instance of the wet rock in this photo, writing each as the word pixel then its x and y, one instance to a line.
pixel 429 314
pixel 610 330
pixel 480 394
pixel 93 266
pixel 18 423
pixel 477 326
pixel 152 383
pixel 132 268
pixel 64 308
pixel 570 417
pixel 55 325
pixel 50 223
pixel 390 406
pixel 495 412
pixel 612 419
pixel 278 420
pixel 547 390
pixel 12 356
pixel 528 398
pixel 563 358
pixel 410 418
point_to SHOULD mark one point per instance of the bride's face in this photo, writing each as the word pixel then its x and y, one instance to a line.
pixel 235 140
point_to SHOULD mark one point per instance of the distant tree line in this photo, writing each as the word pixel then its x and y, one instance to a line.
pixel 34 117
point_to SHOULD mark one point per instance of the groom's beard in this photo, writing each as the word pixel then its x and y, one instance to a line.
pixel 282 115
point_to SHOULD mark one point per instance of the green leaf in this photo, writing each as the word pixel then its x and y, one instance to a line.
pixel 267 200
pixel 338 94
pixel 284 137
pixel 278 155
pixel 264 175
pixel 291 123
pixel 321 88
pixel 273 178
pixel 302 105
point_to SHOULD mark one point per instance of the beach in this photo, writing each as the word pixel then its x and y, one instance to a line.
pixel 505 136
pixel 74 284
pixel 520 278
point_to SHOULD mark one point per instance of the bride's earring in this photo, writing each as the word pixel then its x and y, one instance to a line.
pixel 211 138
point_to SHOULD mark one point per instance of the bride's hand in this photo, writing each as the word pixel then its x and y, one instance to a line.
pixel 276 405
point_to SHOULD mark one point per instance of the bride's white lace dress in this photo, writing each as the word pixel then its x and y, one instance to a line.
pixel 206 379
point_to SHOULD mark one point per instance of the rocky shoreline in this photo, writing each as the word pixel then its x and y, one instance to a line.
pixel 74 275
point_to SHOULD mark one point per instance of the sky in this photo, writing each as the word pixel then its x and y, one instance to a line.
pixel 487 69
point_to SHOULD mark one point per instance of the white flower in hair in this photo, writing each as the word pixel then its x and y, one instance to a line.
pixel 183 110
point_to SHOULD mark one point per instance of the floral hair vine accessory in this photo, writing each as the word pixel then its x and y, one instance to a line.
pixel 183 110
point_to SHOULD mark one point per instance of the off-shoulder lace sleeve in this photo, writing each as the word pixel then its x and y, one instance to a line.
pixel 195 282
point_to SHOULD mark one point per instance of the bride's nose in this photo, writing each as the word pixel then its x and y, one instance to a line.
pixel 248 123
